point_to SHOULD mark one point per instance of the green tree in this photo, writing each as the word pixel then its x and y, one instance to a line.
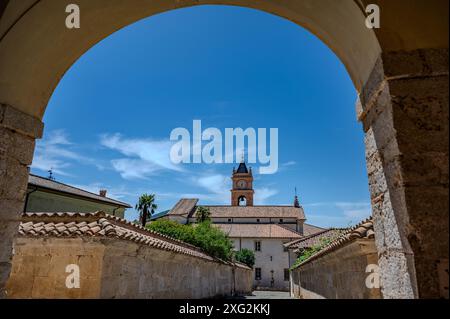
pixel 210 239
pixel 306 253
pixel 146 207
pixel 246 256
pixel 173 229
pixel 203 214
pixel 213 240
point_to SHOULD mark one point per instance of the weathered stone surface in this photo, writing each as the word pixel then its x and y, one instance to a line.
pixel 16 146
pixel 415 63
pixel 6 229
pixel 20 122
pixel 17 134
pixel 338 275
pixel 11 210
pixel 5 269
pixel 397 274
pixel 14 179
pixel 405 117
pixel 421 113
pixel 372 86
pixel 113 268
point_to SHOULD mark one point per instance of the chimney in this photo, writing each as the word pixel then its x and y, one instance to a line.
pixel 103 192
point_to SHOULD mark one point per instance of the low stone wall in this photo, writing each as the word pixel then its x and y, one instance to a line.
pixel 96 255
pixel 340 274
pixel 115 268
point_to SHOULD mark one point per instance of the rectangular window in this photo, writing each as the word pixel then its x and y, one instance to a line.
pixel 285 248
pixel 286 274
pixel 258 274
pixel 257 245
pixel 229 220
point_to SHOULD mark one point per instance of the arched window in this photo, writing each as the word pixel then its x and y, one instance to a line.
pixel 242 201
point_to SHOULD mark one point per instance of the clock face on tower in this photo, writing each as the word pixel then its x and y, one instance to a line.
pixel 241 184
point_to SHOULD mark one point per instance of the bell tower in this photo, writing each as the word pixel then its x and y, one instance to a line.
pixel 242 192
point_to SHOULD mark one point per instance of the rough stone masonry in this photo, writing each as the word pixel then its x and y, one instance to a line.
pixel 18 132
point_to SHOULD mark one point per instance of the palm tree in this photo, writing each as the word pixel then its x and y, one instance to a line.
pixel 146 207
pixel 202 214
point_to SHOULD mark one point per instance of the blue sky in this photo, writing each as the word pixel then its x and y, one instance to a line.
pixel 109 120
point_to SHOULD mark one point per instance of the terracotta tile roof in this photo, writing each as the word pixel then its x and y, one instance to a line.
pixel 255 212
pixel 45 183
pixel 184 207
pixel 258 231
pixel 187 207
pixel 315 239
pixel 309 229
pixel 100 224
pixel 363 230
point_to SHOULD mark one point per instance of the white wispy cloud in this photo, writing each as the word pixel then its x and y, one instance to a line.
pixel 55 152
pixel 290 163
pixel 263 194
pixel 120 192
pixel 216 185
pixel 338 213
pixel 355 211
pixel 287 165
pixel 145 157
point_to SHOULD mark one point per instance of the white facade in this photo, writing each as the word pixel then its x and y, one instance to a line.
pixel 292 223
pixel 269 226
pixel 273 260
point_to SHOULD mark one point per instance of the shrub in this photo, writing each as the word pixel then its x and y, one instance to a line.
pixel 308 252
pixel 210 239
pixel 246 256
pixel 173 229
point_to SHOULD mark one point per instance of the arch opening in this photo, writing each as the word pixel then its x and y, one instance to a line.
pixel 242 200
pixel 27 86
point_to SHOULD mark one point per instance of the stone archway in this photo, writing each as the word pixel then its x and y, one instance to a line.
pixel 400 71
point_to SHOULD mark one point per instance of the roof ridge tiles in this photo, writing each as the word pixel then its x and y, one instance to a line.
pixel 289 229
pixel 102 224
pixel 299 240
pixel 348 236
pixel 38 181
pixel 146 231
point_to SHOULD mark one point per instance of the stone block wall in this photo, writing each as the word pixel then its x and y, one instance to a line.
pixel 115 268
pixel 17 140
pixel 340 274
pixel 405 112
